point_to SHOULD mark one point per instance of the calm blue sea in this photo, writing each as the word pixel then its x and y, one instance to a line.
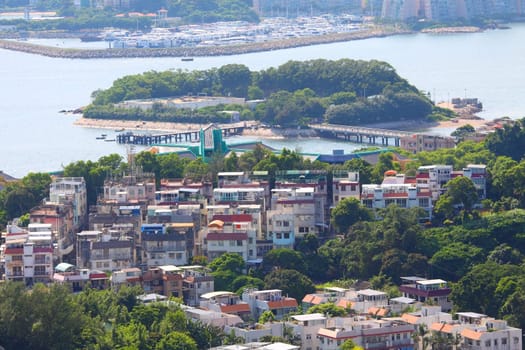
pixel 34 136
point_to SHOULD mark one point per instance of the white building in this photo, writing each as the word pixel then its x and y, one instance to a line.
pixel 403 195
pixel 345 185
pixel 71 190
pixel 231 234
pixel 292 215
pixel 269 300
pixel 29 255
pixel 387 333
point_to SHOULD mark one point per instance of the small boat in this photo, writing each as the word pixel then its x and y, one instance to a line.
pixel 109 140
pixel 101 137
pixel 120 130
pixel 186 59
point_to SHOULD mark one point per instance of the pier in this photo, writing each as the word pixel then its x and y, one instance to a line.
pixel 176 137
pixel 360 134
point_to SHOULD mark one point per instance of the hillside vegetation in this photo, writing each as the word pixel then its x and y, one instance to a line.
pixel 296 93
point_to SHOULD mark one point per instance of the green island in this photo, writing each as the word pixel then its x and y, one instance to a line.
pixel 294 94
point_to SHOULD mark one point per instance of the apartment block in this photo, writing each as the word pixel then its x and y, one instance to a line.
pixel 28 254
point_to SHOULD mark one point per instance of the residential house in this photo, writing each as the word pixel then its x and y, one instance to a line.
pixel 105 250
pixel 225 302
pixel 397 189
pixel 306 327
pixel 72 191
pixel 231 234
pixel 426 143
pixel 28 254
pixel 166 280
pixel 197 281
pixel 269 300
pixel 435 291
pixel 345 184
pixel 165 244
pixel 60 217
pixel 384 334
pixel 129 277
pixel 315 179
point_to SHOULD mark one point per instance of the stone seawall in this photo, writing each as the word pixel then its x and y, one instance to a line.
pixel 193 51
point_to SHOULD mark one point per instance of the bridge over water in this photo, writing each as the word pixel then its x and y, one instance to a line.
pixel 175 137
pixel 360 134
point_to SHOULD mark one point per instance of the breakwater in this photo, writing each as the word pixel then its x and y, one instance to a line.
pixel 194 51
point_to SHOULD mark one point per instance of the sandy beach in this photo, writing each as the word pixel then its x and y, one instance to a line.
pixel 254 128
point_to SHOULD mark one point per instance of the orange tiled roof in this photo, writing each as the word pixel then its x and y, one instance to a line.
pixel 345 304
pixel 442 327
pixel 378 311
pixel 412 319
pixel 308 298
pixel 236 308
pixel 281 304
pixel 471 334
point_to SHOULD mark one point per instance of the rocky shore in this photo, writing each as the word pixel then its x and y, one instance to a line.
pixel 195 51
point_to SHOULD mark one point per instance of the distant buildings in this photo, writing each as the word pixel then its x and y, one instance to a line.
pixel 449 10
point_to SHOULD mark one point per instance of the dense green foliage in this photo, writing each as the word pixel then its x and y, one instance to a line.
pixel 54 318
pixel 187 11
pixel 295 93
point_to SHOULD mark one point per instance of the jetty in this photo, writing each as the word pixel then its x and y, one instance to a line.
pixel 359 134
pixel 175 137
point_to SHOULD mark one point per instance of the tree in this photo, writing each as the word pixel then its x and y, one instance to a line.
pixel 347 212
pixel 328 309
pixel 228 262
pixel 266 316
pixel 462 192
pixel 463 131
pixel 176 341
pixel 280 279
pixel 284 258
pixel 349 345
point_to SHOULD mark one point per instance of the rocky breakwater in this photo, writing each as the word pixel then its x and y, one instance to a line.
pixel 195 51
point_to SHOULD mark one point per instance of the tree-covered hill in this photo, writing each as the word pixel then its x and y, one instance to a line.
pixel 346 91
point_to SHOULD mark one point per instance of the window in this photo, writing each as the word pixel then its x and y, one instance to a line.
pixel 287 235
pixel 503 341
pixel 40 270
pixel 239 243
pixel 16 258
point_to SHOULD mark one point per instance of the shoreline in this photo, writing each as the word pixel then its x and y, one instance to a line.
pixel 225 50
pixel 254 129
